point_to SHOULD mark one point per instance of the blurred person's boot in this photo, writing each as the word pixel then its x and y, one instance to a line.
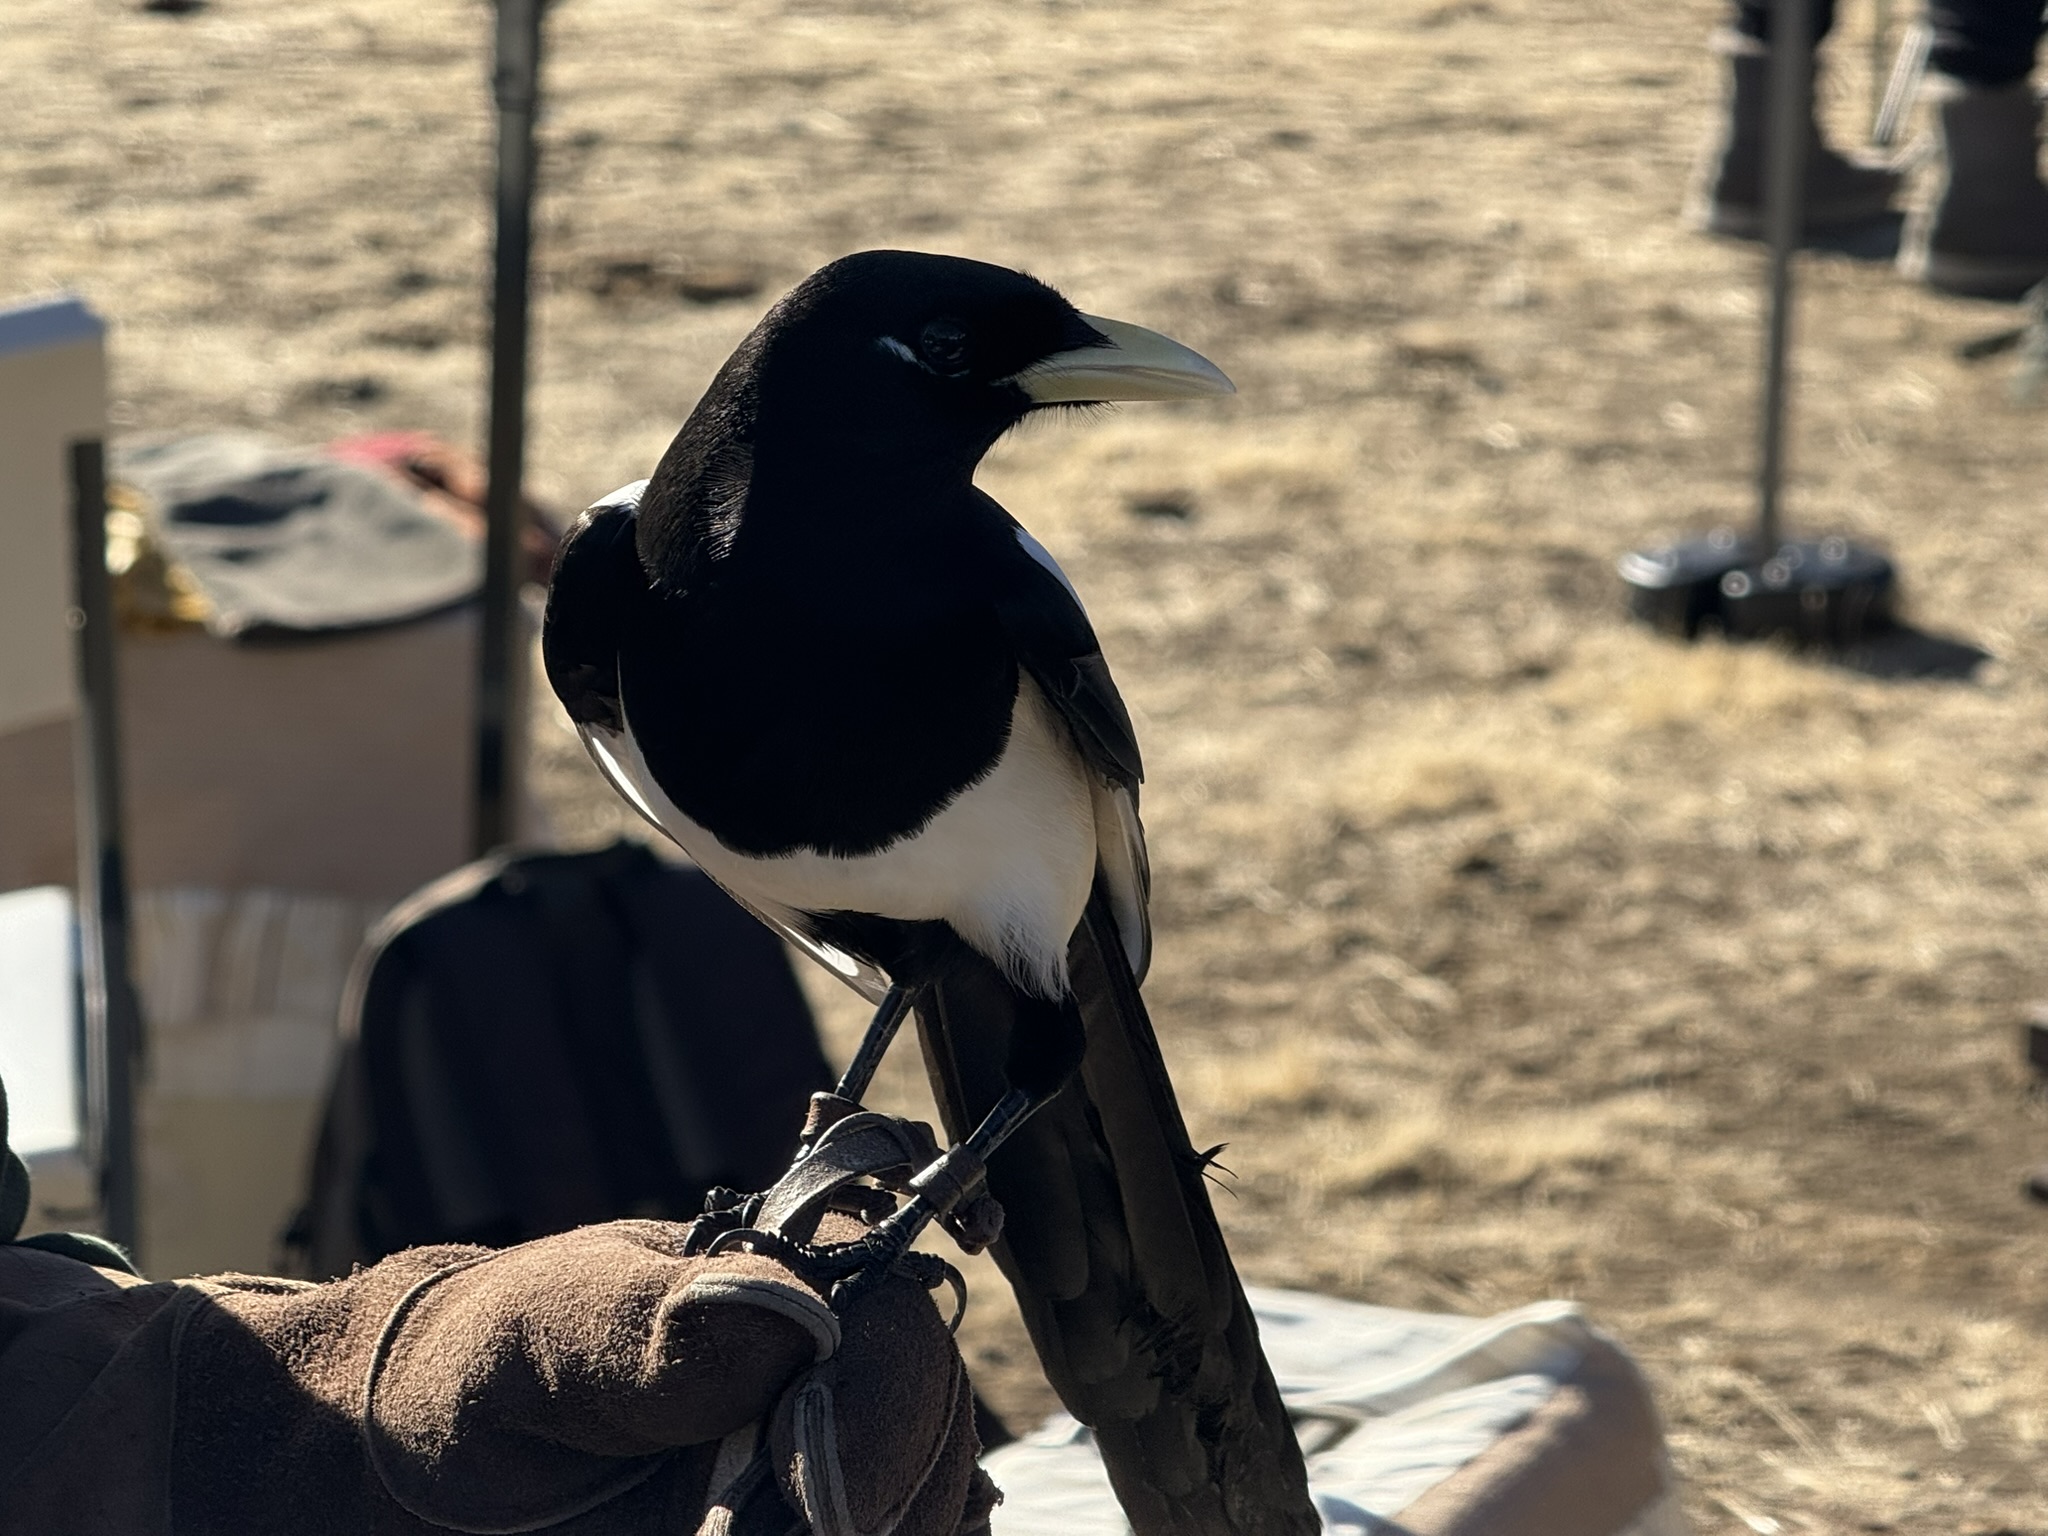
pixel 1728 190
pixel 1984 233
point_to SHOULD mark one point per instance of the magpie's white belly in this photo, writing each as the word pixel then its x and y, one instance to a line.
pixel 1008 864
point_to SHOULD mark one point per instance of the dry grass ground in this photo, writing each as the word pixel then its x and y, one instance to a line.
pixel 1516 952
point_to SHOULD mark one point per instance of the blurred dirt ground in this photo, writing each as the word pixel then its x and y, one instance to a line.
pixel 1515 952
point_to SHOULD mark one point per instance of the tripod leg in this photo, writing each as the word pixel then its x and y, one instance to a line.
pixel 874 1044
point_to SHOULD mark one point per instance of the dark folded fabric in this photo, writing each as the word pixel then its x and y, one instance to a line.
pixel 593 1383
pixel 84 1247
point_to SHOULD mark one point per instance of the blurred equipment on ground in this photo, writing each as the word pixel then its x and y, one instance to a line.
pixel 538 1041
pixel 452 484
pixel 1825 592
pixel 1772 170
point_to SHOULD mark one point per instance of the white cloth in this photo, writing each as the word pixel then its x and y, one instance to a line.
pixel 1387 1405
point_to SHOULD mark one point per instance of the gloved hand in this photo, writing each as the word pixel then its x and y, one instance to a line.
pixel 596 1383
pixel 520 1385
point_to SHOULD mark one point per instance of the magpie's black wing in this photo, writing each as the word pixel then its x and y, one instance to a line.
pixel 1042 614
pixel 598 586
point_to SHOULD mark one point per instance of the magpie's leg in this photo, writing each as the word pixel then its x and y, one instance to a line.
pixel 875 1043
pixel 1041 1061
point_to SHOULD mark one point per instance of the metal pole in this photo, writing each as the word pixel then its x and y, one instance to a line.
pixel 499 667
pixel 1784 194
pixel 113 1015
pixel 1880 57
pixel 1902 85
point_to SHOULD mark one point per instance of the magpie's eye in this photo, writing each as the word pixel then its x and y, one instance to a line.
pixel 944 347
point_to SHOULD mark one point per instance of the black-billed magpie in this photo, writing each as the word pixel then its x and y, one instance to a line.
pixel 871 706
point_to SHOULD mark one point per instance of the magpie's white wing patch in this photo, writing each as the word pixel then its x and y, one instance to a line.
pixel 1043 556
pixel 1126 871
pixel 627 496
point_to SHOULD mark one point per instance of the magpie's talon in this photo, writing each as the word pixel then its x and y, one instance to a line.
pixel 927 1269
pixel 853 1287
pixel 805 1261
pixel 859 1266
pixel 828 1266
pixel 862 1281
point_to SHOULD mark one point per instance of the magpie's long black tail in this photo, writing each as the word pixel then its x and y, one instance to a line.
pixel 1114 1252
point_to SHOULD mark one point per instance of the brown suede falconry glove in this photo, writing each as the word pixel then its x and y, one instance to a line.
pixel 603 1381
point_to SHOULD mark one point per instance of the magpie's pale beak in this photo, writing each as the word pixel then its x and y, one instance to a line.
pixel 1136 365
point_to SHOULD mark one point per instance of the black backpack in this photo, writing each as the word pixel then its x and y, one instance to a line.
pixel 539 1041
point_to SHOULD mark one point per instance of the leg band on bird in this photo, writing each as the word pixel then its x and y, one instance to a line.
pixel 826 1110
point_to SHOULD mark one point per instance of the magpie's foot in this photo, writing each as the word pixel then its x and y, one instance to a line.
pixel 725 1210
pixel 927 1269
pixel 801 1258
pixel 830 1267
pixel 869 1260
pixel 947 1189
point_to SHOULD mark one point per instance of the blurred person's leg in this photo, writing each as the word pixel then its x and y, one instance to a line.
pixel 1985 43
pixel 1728 191
pixel 1753 19
pixel 1984 231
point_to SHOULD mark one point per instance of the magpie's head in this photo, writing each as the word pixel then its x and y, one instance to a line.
pixel 927 360
pixel 880 371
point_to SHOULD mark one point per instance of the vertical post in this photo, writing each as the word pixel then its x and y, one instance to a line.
pixel 1880 57
pixel 113 1016
pixel 1786 150
pixel 516 85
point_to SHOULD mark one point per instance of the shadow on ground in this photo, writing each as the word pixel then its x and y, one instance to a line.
pixel 1899 651
pixel 1874 240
